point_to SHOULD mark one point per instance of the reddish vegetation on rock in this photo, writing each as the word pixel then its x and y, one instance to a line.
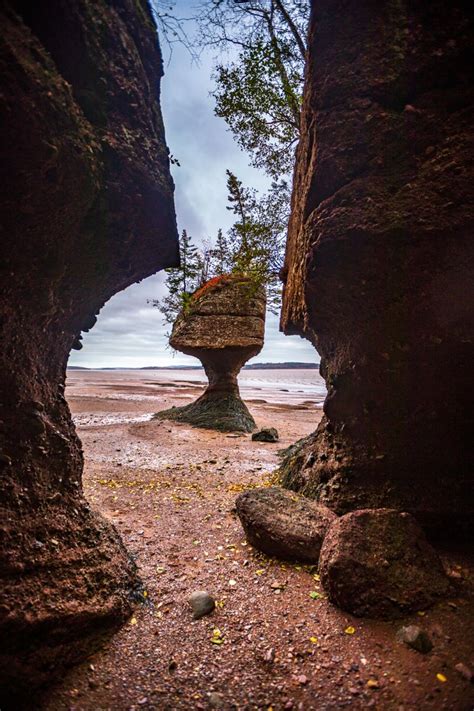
pixel 283 524
pixel 379 263
pixel 87 209
pixel 378 563
pixel 224 327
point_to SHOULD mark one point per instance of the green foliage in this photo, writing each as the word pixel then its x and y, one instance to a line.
pixel 260 108
pixel 253 247
pixel 259 92
pixel 182 281
pixel 256 239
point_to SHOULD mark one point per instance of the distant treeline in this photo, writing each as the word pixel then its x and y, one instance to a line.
pixel 253 366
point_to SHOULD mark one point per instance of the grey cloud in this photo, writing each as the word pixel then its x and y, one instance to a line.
pixel 129 331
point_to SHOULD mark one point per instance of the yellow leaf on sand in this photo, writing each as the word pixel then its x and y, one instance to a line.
pixel 441 677
pixel 349 630
pixel 133 621
pixel 260 572
pixel 313 640
pixel 217 636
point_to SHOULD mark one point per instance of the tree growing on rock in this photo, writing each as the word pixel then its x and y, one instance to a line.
pixel 182 281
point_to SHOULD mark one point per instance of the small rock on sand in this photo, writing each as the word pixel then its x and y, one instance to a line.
pixel 416 638
pixel 464 671
pixel 201 603
pixel 266 434
pixel 216 700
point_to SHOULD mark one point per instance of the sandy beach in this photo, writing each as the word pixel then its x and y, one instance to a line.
pixel 170 491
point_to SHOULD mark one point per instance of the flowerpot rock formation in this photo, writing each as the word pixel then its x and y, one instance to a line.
pixel 87 209
pixel 223 327
pixel 380 258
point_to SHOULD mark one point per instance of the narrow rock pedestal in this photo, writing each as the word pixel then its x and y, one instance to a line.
pixel 223 327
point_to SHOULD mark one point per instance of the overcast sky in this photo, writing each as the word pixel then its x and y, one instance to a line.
pixel 129 331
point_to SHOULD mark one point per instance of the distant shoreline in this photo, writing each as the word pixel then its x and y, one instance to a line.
pixel 255 366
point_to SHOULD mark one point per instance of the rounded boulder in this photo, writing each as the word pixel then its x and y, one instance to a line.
pixel 378 563
pixel 284 524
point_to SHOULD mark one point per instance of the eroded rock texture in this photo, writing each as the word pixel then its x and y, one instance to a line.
pixel 379 262
pixel 282 524
pixel 378 563
pixel 87 209
pixel 223 327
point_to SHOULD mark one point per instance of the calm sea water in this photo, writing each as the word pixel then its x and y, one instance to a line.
pixel 283 386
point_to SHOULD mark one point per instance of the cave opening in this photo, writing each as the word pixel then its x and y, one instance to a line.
pixel 384 194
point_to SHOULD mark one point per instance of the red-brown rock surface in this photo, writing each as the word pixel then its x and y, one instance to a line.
pixel 378 563
pixel 224 327
pixel 379 265
pixel 87 209
pixel 283 524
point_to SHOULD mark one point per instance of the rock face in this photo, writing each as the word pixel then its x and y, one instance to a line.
pixel 87 209
pixel 223 327
pixel 378 563
pixel 380 256
pixel 283 524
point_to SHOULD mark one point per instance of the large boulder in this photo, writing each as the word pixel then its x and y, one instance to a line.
pixel 283 524
pixel 378 563
pixel 86 209
pixel 380 257
pixel 223 326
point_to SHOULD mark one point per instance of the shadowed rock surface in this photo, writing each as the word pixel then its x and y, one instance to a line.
pixel 378 563
pixel 223 327
pixel 87 209
pixel 283 524
pixel 267 434
pixel 380 257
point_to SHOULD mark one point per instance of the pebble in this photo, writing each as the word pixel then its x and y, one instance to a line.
pixel 266 434
pixel 269 655
pixel 216 700
pixel 201 603
pixel 464 671
pixel 416 638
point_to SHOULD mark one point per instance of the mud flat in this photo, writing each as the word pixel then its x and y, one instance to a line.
pixel 170 491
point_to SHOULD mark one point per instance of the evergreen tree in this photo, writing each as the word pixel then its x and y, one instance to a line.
pixel 220 258
pixel 182 281
pixel 256 239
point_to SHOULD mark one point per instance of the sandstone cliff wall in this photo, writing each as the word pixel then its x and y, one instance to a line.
pixel 87 209
pixel 379 265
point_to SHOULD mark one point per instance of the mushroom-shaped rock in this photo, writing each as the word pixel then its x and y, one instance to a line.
pixel 378 563
pixel 223 327
pixel 284 524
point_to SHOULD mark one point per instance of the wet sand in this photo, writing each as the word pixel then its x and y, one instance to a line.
pixel 170 491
